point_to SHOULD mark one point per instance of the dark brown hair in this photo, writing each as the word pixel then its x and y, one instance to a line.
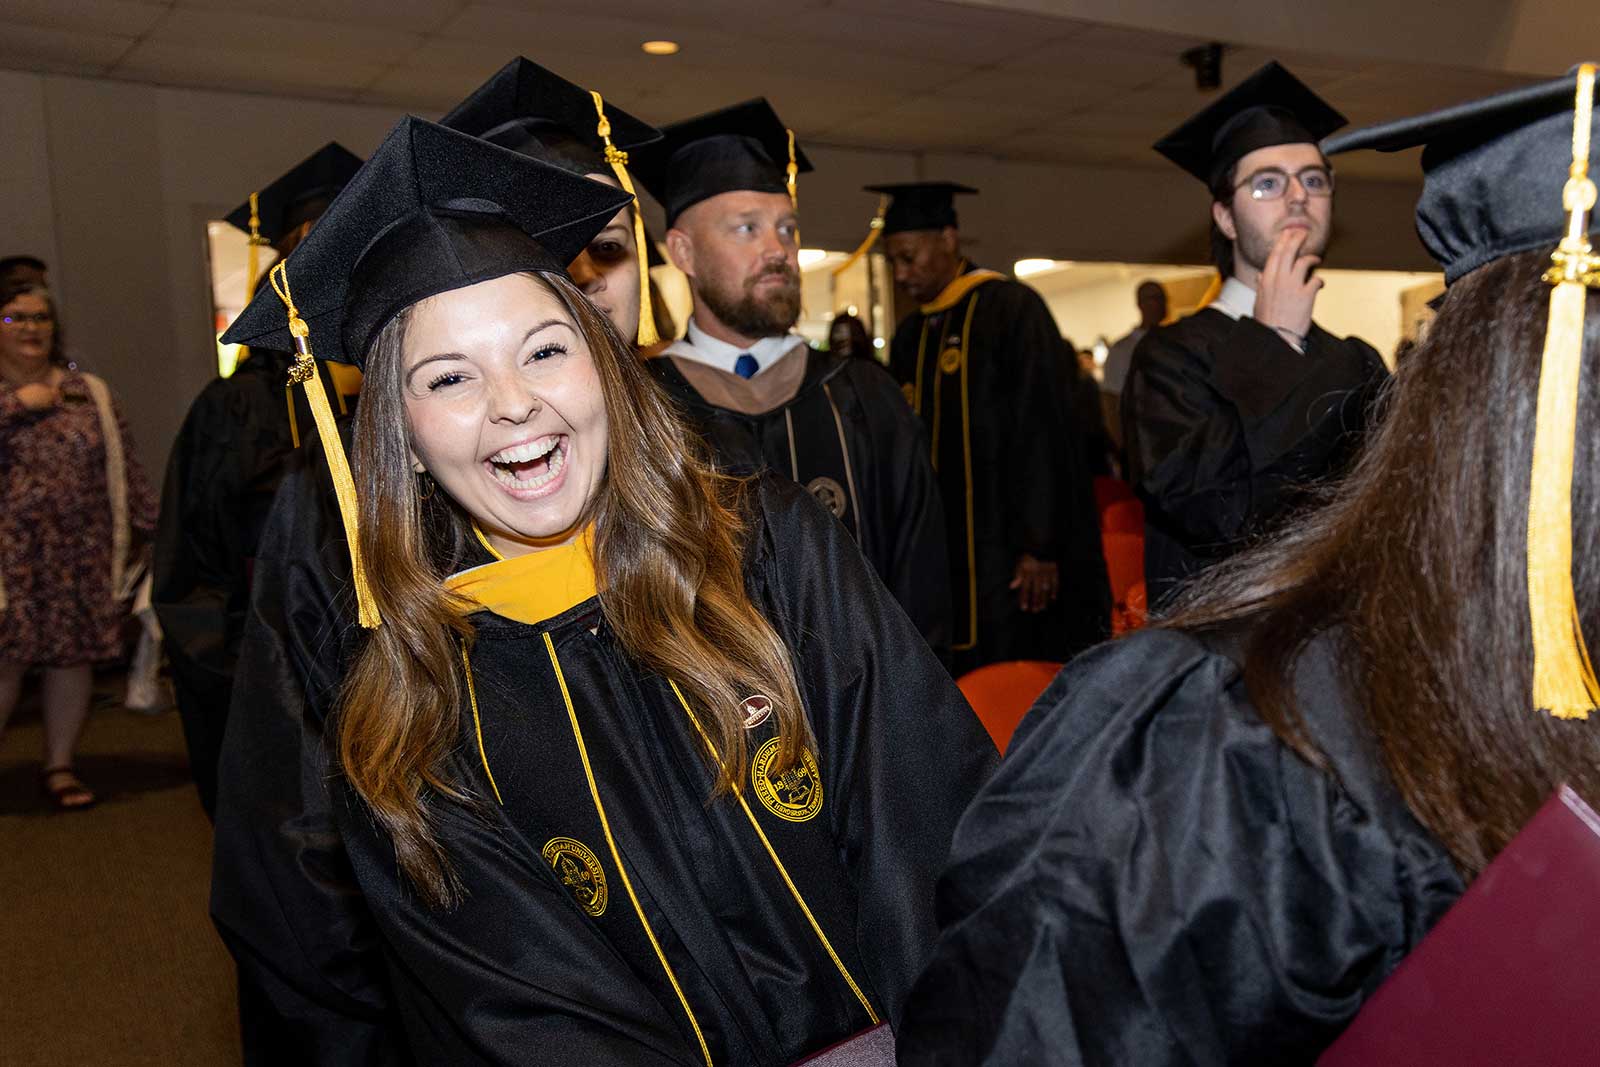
pixel 1419 559
pixel 670 535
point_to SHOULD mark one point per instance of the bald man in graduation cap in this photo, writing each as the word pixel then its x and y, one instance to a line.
pixel 759 394
pixel 979 361
pixel 236 444
pixel 1231 414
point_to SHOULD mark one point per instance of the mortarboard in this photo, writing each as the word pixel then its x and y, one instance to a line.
pixel 1270 107
pixel 433 210
pixel 919 205
pixel 301 195
pixel 743 147
pixel 534 111
pixel 1502 175
pixel 1493 170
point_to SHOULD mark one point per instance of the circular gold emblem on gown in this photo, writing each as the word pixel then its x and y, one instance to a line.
pixel 950 360
pixel 579 870
pixel 830 493
pixel 794 795
pixel 910 392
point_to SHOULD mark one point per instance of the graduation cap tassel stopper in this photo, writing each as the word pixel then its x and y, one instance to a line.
pixel 618 159
pixel 1563 677
pixel 874 231
pixel 304 372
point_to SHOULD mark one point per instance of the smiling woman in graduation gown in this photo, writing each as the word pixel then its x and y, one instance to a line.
pixel 610 908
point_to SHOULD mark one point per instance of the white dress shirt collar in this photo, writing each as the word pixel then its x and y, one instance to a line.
pixel 1237 300
pixel 703 348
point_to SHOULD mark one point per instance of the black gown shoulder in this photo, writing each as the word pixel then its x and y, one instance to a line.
pixel 1152 877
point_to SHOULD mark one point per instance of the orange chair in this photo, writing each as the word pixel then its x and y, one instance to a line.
pixel 1123 517
pixel 1125 569
pixel 1002 693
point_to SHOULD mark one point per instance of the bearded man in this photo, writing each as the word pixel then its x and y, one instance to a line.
pixel 1230 415
pixel 759 394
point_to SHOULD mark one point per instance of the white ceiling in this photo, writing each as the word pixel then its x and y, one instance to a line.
pixel 897 74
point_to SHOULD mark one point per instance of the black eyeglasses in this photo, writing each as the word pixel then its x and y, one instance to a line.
pixel 38 318
pixel 1270 183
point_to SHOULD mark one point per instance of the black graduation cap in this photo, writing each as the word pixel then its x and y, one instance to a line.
pixel 920 205
pixel 301 194
pixel 1270 107
pixel 532 110
pixel 743 147
pixel 1493 171
pixel 432 210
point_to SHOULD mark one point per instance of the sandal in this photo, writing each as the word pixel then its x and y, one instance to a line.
pixel 68 793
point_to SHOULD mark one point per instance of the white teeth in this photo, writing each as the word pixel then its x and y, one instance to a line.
pixel 558 462
pixel 526 453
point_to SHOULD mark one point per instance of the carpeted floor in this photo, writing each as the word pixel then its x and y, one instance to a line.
pixel 107 955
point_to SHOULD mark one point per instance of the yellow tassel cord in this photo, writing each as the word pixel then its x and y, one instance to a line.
pixel 874 231
pixel 1563 677
pixel 253 262
pixel 792 180
pixel 304 372
pixel 618 159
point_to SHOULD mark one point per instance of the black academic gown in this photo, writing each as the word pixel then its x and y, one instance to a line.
pixel 846 436
pixel 532 967
pixel 984 376
pixel 231 453
pixel 1153 878
pixel 1226 426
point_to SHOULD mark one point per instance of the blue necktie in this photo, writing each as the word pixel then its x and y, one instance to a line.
pixel 746 366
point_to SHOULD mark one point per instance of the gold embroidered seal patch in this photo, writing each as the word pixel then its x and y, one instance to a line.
pixel 794 795
pixel 950 360
pixel 579 870
pixel 910 392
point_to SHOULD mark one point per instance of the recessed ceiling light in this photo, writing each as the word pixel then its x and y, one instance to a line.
pixel 660 48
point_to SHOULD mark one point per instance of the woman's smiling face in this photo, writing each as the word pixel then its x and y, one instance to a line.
pixel 506 410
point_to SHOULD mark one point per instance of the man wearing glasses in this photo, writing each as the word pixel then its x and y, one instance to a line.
pixel 1232 413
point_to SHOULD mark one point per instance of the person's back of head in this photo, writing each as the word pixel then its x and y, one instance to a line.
pixel 1421 559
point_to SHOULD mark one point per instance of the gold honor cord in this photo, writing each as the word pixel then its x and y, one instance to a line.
pixel 1563 677
pixel 477 724
pixel 304 372
pixel 874 231
pixel 618 159
pixel 783 871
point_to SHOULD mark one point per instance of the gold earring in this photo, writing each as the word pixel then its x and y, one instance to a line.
pixel 428 483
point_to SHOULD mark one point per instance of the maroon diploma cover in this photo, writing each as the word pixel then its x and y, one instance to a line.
pixel 1509 975
pixel 869 1048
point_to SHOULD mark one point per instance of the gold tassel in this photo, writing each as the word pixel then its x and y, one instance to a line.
pixel 793 174
pixel 304 372
pixel 253 263
pixel 874 231
pixel 1563 676
pixel 618 159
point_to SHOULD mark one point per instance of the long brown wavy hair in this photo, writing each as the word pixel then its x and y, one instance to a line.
pixel 1419 560
pixel 670 535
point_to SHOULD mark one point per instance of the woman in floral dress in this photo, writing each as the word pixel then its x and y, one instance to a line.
pixel 73 504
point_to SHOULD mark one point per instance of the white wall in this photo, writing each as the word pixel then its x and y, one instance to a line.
pixel 112 183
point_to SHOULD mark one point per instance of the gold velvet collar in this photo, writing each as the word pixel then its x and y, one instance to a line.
pixel 533 587
pixel 960 287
